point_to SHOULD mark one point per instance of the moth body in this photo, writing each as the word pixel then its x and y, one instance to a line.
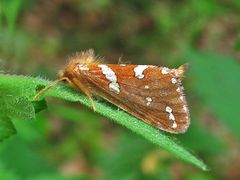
pixel 151 93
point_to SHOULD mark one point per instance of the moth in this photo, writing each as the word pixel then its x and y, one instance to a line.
pixel 153 94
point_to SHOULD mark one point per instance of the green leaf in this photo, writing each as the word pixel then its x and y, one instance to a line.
pixel 11 9
pixel 17 107
pixel 131 150
pixel 39 105
pixel 64 92
pixel 52 176
pixel 199 139
pixel 216 80
pixel 25 160
pixel 13 107
pixel 237 44
pixel 6 173
pixel 7 129
pixel 20 108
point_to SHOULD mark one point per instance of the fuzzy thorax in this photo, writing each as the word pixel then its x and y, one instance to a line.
pixel 80 58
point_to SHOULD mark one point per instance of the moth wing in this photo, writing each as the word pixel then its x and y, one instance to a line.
pixel 156 97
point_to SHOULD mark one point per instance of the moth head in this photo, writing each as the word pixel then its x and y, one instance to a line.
pixel 79 60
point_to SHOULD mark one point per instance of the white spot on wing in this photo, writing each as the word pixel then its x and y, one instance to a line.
pixel 182 98
pixel 111 76
pixel 171 116
pixel 174 125
pixel 108 72
pixel 168 109
pixel 114 87
pixel 139 71
pixel 173 80
pixel 146 87
pixel 178 89
pixel 149 100
pixel 185 108
pixel 165 70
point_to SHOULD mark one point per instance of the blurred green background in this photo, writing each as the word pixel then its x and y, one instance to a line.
pixel 69 141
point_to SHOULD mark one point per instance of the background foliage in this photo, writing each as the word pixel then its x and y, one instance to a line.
pixel 69 141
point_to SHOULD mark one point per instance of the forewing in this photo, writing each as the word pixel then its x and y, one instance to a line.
pixel 151 93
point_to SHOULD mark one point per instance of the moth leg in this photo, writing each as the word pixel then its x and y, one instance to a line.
pixel 79 85
pixel 49 86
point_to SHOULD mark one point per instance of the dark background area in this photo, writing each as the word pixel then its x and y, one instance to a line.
pixel 69 141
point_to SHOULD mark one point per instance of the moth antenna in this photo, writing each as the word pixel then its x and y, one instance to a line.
pixel 49 86
pixel 120 59
pixel 78 84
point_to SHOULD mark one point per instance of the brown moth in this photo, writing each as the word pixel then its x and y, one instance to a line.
pixel 151 93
